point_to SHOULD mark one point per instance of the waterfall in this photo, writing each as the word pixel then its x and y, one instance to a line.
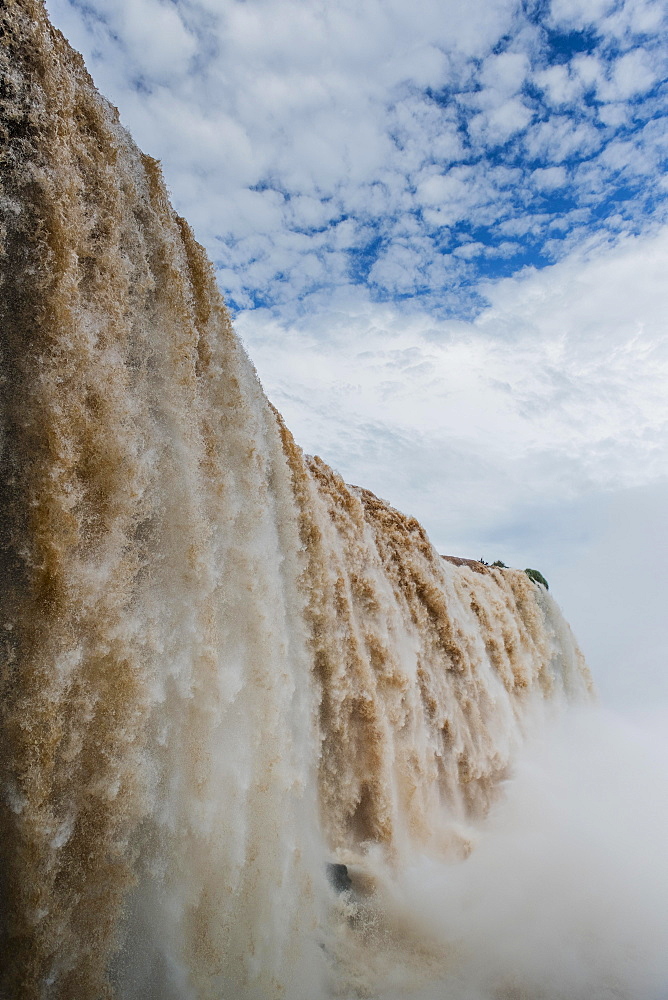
pixel 223 668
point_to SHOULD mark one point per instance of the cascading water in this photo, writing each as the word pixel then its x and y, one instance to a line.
pixel 223 667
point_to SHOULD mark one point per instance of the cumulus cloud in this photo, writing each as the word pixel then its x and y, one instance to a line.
pixel 287 117
pixel 559 85
pixel 628 76
pixel 549 178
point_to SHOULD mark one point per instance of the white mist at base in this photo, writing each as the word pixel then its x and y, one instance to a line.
pixel 565 896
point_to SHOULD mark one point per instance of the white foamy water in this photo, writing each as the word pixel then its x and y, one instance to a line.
pixel 225 669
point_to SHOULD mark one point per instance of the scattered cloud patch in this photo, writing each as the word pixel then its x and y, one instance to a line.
pixel 549 178
pixel 422 128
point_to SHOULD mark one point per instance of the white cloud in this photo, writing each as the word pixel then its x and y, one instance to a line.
pixel 627 158
pixel 454 190
pixel 579 13
pixel 614 114
pixel 560 380
pixel 560 86
pixel 398 269
pixel 549 178
pixel 153 32
pixel 500 123
pixel 562 137
pixel 287 115
pixel 629 76
pixel 468 250
pixel 505 73
pixel 640 17
pixel 589 69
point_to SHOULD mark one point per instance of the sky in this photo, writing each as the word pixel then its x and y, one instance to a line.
pixel 442 230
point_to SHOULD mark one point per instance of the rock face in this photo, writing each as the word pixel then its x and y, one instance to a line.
pixel 338 877
pixel 474 564
pixel 221 665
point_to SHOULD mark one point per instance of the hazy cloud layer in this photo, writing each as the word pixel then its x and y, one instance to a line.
pixel 557 389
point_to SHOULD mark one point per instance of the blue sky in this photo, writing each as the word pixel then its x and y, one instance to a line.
pixel 442 229
pixel 408 149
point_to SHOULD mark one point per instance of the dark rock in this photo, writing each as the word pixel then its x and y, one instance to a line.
pixel 474 564
pixel 338 877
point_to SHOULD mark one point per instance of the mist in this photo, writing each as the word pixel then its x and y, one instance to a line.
pixel 565 895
